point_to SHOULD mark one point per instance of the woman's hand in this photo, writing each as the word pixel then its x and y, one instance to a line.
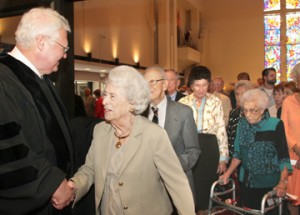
pixel 222 167
pixel 223 179
pixel 296 149
pixel 281 188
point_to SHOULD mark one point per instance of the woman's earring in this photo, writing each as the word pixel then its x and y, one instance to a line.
pixel 131 109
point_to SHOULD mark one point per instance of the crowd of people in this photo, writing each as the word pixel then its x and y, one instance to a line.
pixel 155 150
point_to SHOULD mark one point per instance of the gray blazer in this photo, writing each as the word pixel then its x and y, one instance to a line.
pixel 182 131
pixel 150 170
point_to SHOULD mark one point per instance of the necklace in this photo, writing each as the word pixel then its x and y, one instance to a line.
pixel 119 144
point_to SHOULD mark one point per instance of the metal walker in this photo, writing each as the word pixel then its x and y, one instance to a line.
pixel 217 206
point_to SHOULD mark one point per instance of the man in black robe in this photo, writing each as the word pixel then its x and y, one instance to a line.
pixel 36 153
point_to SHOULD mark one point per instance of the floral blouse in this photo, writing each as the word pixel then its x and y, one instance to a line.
pixel 212 120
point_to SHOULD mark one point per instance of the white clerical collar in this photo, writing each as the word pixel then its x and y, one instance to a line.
pixel 17 54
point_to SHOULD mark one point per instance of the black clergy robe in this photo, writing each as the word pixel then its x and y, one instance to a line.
pixel 36 151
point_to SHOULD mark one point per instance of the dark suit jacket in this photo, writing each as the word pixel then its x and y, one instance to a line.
pixel 179 95
pixel 82 132
pixel 35 137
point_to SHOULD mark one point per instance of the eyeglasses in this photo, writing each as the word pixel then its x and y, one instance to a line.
pixel 251 111
pixel 154 82
pixel 65 48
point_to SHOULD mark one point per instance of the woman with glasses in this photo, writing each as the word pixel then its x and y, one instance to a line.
pixel 208 115
pixel 261 148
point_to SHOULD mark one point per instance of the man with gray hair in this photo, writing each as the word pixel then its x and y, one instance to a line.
pixel 36 152
pixel 173 84
pixel 216 88
pixel 176 118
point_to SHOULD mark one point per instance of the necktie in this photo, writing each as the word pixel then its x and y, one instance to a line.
pixel 155 116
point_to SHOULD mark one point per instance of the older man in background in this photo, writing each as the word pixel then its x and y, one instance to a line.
pixel 177 119
pixel 226 103
pixel 89 102
pixel 172 90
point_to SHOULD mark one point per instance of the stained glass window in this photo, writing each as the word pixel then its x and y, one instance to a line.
pixel 292 41
pixel 272 41
pixel 282 42
pixel 292 4
pixel 270 5
pixel 272 30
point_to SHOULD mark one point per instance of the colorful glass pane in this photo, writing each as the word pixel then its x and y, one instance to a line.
pixel 292 4
pixel 272 37
pixel 272 56
pixel 292 58
pixel 272 29
pixel 272 59
pixel 270 5
pixel 272 21
pixel 293 28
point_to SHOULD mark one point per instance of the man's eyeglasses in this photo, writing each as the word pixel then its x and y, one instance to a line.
pixel 251 111
pixel 65 48
pixel 154 82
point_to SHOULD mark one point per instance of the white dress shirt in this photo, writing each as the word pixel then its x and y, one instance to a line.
pixel 162 109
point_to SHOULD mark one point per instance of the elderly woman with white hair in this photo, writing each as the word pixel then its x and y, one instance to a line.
pixel 131 160
pixel 261 148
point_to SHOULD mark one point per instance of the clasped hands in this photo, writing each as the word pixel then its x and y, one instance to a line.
pixel 64 194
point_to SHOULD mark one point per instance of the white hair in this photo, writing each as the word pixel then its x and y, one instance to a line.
pixel 257 96
pixel 157 69
pixel 40 21
pixel 132 84
pixel 243 83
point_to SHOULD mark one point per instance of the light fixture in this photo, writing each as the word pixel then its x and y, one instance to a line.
pixel 137 64
pixel 116 61
pixel 89 56
pixel 102 74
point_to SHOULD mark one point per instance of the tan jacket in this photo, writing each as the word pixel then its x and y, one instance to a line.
pixel 150 167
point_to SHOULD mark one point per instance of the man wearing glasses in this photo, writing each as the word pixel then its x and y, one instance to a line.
pixel 176 118
pixel 36 153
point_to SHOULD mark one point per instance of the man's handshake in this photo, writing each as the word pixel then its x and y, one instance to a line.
pixel 64 194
